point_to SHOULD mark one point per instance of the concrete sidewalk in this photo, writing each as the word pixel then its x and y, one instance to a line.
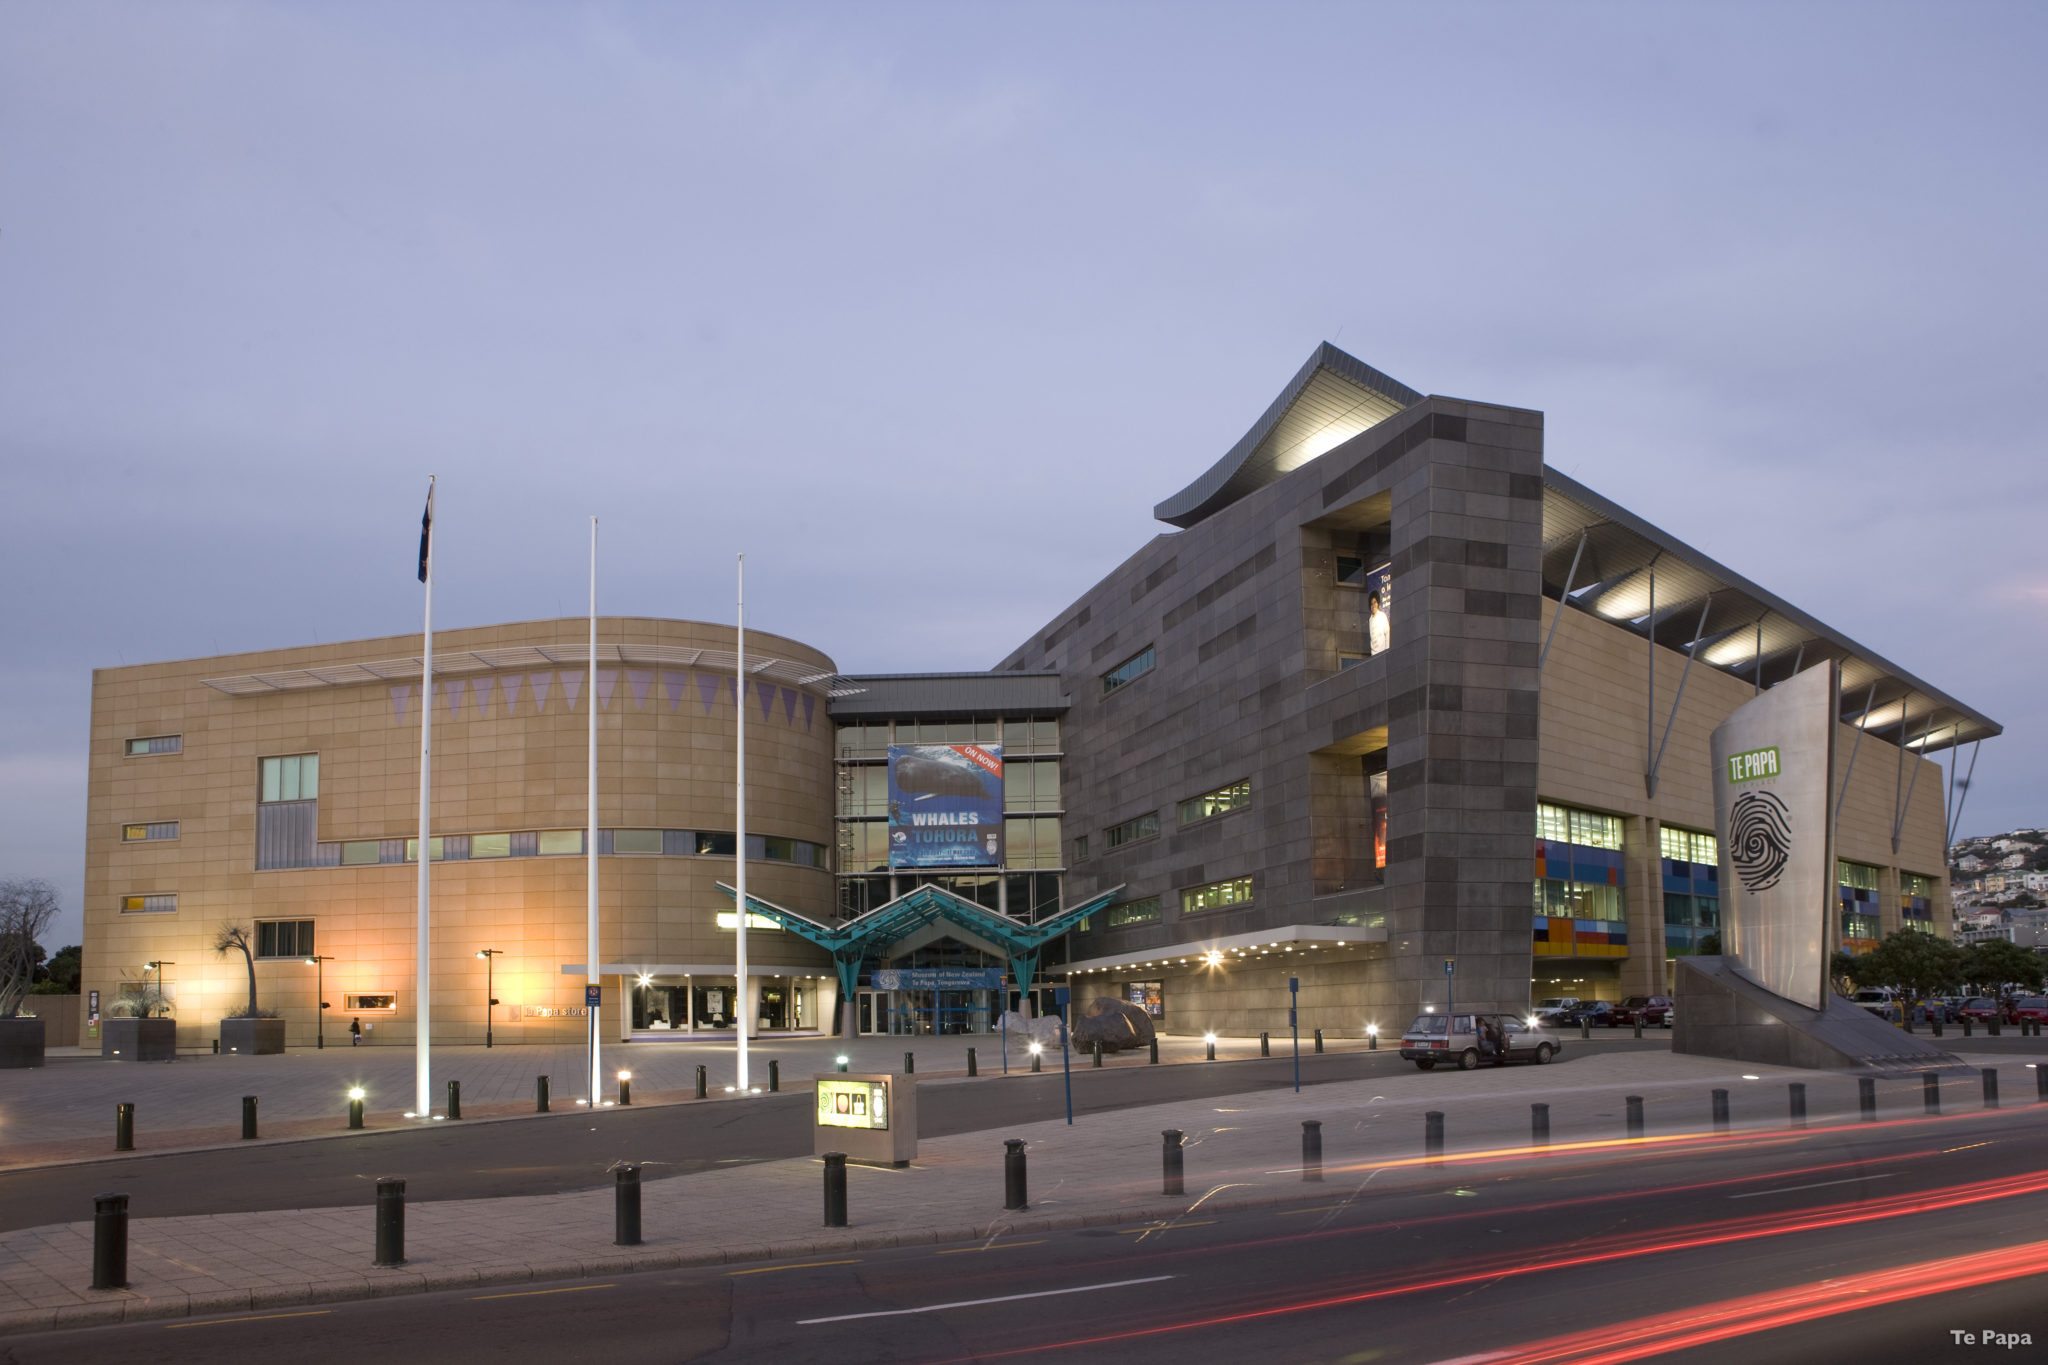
pixel 1240 1151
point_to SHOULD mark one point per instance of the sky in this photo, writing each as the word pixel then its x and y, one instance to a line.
pixel 925 306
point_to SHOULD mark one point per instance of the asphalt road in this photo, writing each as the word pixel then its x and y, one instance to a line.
pixel 577 1149
pixel 1778 1247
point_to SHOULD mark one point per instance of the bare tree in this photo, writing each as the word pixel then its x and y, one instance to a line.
pixel 232 937
pixel 27 905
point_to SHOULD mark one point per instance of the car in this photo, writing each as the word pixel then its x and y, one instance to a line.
pixel 1881 1001
pixel 1981 1009
pixel 1593 1012
pixel 1454 1039
pixel 1650 1010
pixel 2032 1009
pixel 1555 1008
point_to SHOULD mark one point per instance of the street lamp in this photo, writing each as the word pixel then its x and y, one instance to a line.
pixel 490 994
pixel 318 963
pixel 159 966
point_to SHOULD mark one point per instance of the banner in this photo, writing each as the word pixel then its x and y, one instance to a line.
pixel 938 978
pixel 945 805
pixel 1773 811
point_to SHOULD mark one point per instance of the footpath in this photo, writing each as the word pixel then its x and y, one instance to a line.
pixel 1239 1151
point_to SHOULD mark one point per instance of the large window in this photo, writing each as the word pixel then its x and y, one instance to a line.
pixel 1031 786
pixel 1032 843
pixel 156 744
pixel 1129 671
pixel 1570 825
pixel 1916 898
pixel 1222 801
pixel 1688 846
pixel 1857 888
pixel 1144 910
pixel 155 903
pixel 295 777
pixel 1216 895
pixel 1578 900
pixel 1134 830
pixel 150 833
pixel 284 938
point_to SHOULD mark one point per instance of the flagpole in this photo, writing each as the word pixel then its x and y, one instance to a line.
pixel 739 843
pixel 423 962
pixel 593 1088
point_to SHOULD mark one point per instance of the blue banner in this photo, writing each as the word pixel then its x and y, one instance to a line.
pixel 945 805
pixel 938 978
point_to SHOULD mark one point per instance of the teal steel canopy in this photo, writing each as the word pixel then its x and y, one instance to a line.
pixel 851 942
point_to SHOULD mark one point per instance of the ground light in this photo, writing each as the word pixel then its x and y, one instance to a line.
pixel 356 1095
pixel 1372 1037
pixel 840 1061
pixel 1210 1040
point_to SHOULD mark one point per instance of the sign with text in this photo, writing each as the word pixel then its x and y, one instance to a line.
pixel 853 1104
pixel 938 978
pixel 945 805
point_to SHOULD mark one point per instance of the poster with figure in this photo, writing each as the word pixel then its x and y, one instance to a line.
pixel 1773 810
pixel 1379 602
pixel 945 805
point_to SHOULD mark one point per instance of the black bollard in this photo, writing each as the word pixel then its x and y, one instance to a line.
pixel 972 1069
pixel 1585 1027
pixel 1966 1026
pixel 1015 1194
pixel 1866 1098
pixel 835 1189
pixel 248 1117
pixel 704 1085
pixel 1312 1150
pixel 1154 1051
pixel 1990 1087
pixel 216 1047
pixel 1639 1026
pixel 910 1063
pixel 2041 1083
pixel 1171 1164
pixel 1539 1125
pixel 775 1071
pixel 1372 1038
pixel 1991 1026
pixel 1096 1053
pixel 1720 1111
pixel 1935 1020
pixel 355 1108
pixel 1433 1136
pixel 124 1127
pixel 1930 1093
pixel 1797 1090
pixel 1036 1059
pixel 455 1099
pixel 1212 1049
pixel 1319 1040
pixel 391 1222
pixel 540 1094
pixel 1635 1116
pixel 625 1088
pixel 1265 1043
pixel 110 1241
pixel 626 1207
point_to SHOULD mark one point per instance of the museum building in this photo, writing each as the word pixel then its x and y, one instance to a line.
pixel 1394 710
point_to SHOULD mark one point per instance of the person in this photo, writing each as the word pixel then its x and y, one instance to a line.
pixel 355 1032
pixel 1490 1042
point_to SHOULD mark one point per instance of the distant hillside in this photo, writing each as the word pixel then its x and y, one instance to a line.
pixel 2000 871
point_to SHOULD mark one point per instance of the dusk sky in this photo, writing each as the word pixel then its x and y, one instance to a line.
pixel 924 307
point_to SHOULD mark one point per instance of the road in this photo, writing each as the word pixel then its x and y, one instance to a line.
pixel 1872 1245
pixel 577 1149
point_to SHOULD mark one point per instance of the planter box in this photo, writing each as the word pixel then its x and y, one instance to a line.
pixel 252 1037
pixel 139 1040
pixel 21 1043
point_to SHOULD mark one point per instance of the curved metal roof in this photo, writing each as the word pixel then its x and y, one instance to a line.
pixel 1330 400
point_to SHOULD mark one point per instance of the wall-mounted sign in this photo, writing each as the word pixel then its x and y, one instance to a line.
pixel 853 1104
pixel 730 920
pixel 1379 604
pixel 1149 996
pixel 945 805
pixel 550 1012
pixel 938 978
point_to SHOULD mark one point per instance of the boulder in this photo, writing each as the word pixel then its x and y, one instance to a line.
pixel 1116 1024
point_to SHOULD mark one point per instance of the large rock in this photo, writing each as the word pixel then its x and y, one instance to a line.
pixel 1116 1024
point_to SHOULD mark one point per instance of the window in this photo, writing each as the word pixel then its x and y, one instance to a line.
pixel 357 1004
pixel 1577 900
pixel 292 778
pixel 1129 671
pixel 362 852
pixel 156 744
pixel 715 844
pixel 637 841
pixel 284 938
pixel 1080 848
pixel 1570 825
pixel 1135 830
pixel 1216 895
pixel 490 845
pixel 160 903
pixel 555 842
pixel 1222 801
pixel 1913 884
pixel 1027 786
pixel 1345 660
pixel 1688 846
pixel 1350 571
pixel 149 833
pixel 1860 876
pixel 437 849
pixel 1032 843
pixel 1142 911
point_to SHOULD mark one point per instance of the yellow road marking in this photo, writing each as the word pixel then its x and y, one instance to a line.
pixel 1166 1227
pixel 536 1293
pixel 267 1317
pixel 807 1265
pixel 998 1246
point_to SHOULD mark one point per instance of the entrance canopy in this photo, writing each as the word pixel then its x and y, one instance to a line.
pixel 853 941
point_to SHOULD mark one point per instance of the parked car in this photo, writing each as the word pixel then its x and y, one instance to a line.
pixel 1881 1001
pixel 1555 1008
pixel 2032 1009
pixel 1652 1010
pixel 1454 1039
pixel 1982 1009
pixel 1597 1013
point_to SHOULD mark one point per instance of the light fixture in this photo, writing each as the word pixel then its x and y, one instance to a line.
pixel 1037 1048
pixel 356 1092
pixel 646 979
pixel 1372 1030
pixel 625 1075
pixel 1208 1037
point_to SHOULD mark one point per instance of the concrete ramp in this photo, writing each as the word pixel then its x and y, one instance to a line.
pixel 1722 1013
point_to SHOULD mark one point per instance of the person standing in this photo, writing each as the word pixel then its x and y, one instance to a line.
pixel 355 1032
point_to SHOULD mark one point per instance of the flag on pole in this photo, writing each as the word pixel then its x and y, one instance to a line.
pixel 427 531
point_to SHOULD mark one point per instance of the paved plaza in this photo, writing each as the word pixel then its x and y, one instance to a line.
pixel 1241 1151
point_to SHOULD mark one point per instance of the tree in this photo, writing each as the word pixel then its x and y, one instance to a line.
pixel 1918 963
pixel 65 970
pixel 1845 967
pixel 232 937
pixel 27 905
pixel 1710 945
pixel 1996 963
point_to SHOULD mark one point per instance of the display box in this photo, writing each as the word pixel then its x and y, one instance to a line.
pixel 870 1117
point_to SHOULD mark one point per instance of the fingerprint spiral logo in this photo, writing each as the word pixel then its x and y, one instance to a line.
pixel 1759 839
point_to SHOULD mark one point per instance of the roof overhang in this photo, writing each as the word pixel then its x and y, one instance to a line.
pixel 870 934
pixel 1331 399
pixel 1288 941
pixel 1609 557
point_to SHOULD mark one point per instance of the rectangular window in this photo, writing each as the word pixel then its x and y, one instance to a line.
pixel 1345 661
pixel 159 903
pixel 1137 829
pixel 156 744
pixel 295 777
pixel 554 842
pixel 1026 786
pixel 1913 884
pixel 1570 825
pixel 1577 900
pixel 284 938
pixel 359 1004
pixel 1350 571
pixel 1032 843
pixel 437 849
pixel 1860 876
pixel 714 844
pixel 490 845
pixel 1142 911
pixel 362 852
pixel 1129 671
pixel 1216 895
pixel 636 841
pixel 1688 846
pixel 1222 801
pixel 149 833
pixel 1081 848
